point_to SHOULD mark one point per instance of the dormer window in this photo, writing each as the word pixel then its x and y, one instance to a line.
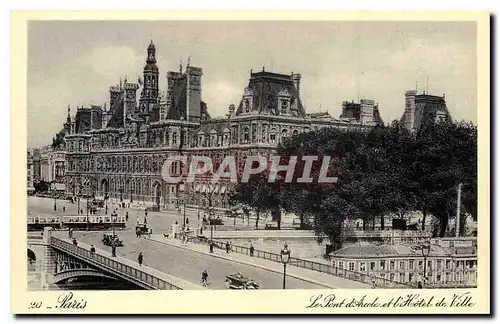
pixel 284 107
pixel 247 105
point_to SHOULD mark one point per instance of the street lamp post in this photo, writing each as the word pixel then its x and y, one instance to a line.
pixel 285 257
pixel 87 219
pixel 78 200
pixel 113 242
pixel 426 250
pixel 55 201
pixel 121 194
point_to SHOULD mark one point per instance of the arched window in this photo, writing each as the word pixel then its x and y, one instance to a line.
pixel 284 133
pixel 272 135
pixel 295 132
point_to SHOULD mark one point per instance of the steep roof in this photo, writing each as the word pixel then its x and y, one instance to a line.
pixel 426 108
pixel 178 101
pixel 376 116
pixel 116 111
pixel 266 88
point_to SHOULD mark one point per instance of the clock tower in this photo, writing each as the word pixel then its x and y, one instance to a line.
pixel 149 94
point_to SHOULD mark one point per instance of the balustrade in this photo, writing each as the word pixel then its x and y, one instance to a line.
pixel 144 278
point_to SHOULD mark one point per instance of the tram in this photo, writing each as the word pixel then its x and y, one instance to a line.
pixel 37 223
pixel 94 222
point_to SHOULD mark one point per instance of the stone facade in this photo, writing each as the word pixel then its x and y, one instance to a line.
pixel 451 262
pixel 120 152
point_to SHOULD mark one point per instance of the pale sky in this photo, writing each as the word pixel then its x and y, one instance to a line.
pixel 74 63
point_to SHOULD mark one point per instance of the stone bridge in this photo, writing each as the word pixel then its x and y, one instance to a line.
pixel 65 262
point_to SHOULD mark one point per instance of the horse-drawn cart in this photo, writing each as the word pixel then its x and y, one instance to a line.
pixel 141 229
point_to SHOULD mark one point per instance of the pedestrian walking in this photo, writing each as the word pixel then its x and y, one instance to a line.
pixel 228 247
pixel 126 216
pixel 251 250
pixel 75 242
pixel 64 209
pixel 140 258
pixel 92 249
pixel 212 247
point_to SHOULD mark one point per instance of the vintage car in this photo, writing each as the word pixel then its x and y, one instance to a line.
pixel 110 240
pixel 153 208
pixel 237 281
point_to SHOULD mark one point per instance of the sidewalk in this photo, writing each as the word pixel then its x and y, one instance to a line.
pixel 318 278
pixel 179 282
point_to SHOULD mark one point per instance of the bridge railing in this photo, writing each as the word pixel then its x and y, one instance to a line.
pixel 306 264
pixel 142 277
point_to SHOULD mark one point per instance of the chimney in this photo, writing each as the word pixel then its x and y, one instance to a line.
pixel 296 82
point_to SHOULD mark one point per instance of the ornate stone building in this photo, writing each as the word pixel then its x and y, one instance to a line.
pixel 119 152
pixel 423 108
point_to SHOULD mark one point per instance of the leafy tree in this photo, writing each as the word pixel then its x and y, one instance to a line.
pixel 380 171
pixel 445 155
pixel 41 186
pixel 257 194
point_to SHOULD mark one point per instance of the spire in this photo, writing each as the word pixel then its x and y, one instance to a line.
pixel 120 82
pixel 189 61
pixel 180 67
pixel 68 119
pixel 151 53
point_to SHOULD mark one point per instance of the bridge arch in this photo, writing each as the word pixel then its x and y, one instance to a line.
pixel 31 255
pixel 66 275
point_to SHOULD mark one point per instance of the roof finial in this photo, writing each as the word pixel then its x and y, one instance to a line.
pixel 120 82
pixel 180 67
pixel 125 79
pixel 189 61
pixel 263 69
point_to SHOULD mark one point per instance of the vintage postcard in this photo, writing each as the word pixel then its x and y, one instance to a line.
pixel 266 163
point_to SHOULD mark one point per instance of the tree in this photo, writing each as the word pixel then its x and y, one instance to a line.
pixel 445 156
pixel 257 194
pixel 41 186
